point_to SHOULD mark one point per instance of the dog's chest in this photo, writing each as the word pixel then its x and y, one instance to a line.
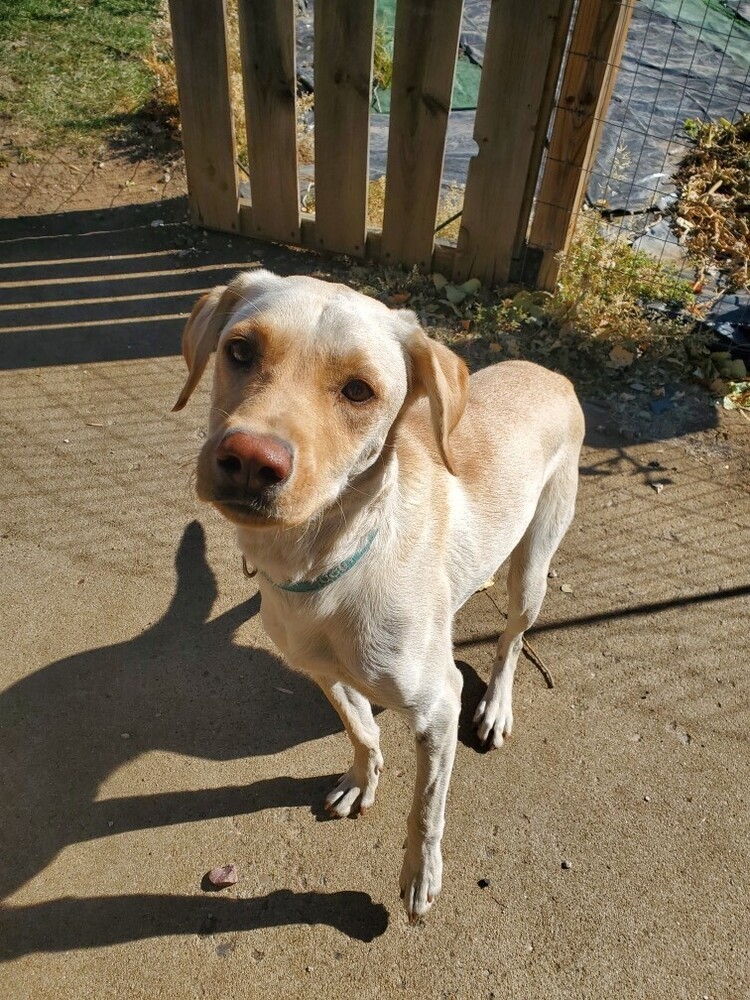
pixel 355 645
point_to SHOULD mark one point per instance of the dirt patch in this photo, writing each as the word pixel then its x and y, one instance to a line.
pixel 66 180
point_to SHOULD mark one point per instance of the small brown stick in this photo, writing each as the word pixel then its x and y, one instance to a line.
pixel 528 649
pixel 538 662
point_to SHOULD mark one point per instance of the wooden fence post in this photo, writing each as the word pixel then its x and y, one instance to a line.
pixel 267 46
pixel 596 48
pixel 344 39
pixel 200 49
pixel 424 62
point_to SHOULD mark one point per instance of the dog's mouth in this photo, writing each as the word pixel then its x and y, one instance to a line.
pixel 250 510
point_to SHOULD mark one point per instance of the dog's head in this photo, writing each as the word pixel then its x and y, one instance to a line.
pixel 309 379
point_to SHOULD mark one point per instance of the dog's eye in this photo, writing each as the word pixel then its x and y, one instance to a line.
pixel 241 351
pixel 357 391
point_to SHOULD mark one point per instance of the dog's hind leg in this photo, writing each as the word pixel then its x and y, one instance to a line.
pixel 359 784
pixel 527 585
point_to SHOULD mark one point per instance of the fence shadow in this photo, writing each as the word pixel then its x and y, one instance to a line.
pixel 181 686
pixel 87 286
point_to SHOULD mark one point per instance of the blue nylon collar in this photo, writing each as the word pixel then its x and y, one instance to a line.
pixel 309 586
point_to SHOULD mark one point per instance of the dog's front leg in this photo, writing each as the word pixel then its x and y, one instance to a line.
pixel 436 730
pixel 360 782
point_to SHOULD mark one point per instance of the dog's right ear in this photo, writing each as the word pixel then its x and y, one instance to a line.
pixel 199 339
pixel 207 320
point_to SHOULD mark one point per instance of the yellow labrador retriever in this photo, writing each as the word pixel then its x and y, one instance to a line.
pixel 376 487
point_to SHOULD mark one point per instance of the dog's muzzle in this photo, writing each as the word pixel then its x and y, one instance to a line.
pixel 249 470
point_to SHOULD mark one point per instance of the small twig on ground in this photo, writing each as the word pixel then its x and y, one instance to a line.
pixel 531 653
pixel 538 662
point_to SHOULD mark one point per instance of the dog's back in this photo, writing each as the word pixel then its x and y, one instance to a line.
pixel 516 454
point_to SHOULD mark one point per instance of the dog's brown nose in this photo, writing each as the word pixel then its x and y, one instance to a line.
pixel 254 462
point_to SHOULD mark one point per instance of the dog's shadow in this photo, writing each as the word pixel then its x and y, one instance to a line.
pixel 183 686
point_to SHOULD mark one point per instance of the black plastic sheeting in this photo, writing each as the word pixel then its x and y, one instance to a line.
pixel 683 59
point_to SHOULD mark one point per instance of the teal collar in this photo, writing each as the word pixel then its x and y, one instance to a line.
pixel 309 586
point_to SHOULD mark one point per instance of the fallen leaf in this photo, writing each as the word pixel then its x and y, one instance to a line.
pixel 454 294
pixel 621 357
pixel 439 281
pixel 399 298
pixel 718 385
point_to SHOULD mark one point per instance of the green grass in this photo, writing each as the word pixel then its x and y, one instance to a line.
pixel 70 68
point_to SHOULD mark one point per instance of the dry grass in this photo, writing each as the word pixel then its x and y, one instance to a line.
pixel 605 285
pixel 382 61
pixel 713 213
pixel 449 212
pixel 164 104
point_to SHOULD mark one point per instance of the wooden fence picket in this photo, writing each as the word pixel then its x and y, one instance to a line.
pixel 267 46
pixel 424 63
pixel 200 50
pixel 344 38
pixel 522 62
pixel 596 47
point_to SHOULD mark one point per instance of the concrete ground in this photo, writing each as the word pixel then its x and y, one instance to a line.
pixel 150 732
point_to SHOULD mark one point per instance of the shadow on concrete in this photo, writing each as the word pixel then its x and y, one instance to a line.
pixel 471 694
pixel 182 686
pixel 118 284
pixel 633 611
pixel 88 286
pixel 93 922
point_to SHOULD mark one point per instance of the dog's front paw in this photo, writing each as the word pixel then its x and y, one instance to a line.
pixel 421 880
pixel 493 718
pixel 356 787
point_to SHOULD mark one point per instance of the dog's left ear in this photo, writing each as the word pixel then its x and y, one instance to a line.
pixel 444 378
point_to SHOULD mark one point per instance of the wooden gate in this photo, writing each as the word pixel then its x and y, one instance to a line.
pixel 546 62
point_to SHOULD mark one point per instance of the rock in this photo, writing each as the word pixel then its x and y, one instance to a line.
pixel 225 876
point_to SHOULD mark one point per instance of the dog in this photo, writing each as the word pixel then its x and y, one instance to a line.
pixel 375 487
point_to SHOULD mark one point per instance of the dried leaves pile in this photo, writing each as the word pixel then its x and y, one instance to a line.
pixel 713 212
pixel 643 357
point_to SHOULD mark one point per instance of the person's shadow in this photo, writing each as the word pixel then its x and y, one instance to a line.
pixel 182 686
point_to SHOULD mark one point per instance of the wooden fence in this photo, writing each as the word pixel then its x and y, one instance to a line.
pixel 545 61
